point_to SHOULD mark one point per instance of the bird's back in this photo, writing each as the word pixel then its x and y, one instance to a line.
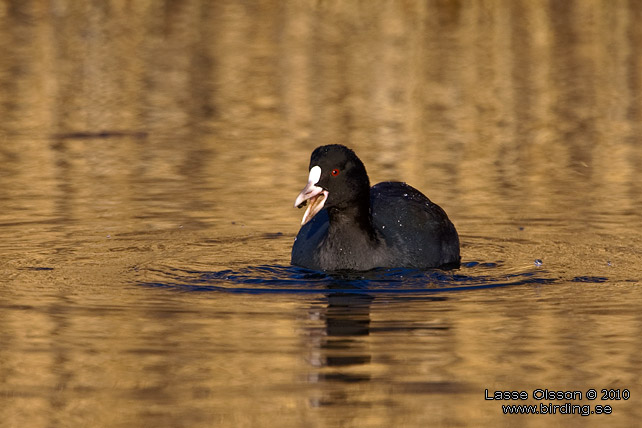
pixel 416 230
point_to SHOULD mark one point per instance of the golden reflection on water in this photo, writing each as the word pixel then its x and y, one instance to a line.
pixel 138 138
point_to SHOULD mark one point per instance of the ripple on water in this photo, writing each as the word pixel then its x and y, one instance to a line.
pixel 263 279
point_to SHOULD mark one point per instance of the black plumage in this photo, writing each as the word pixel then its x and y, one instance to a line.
pixel 350 226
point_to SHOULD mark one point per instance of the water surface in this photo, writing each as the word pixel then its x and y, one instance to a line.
pixel 150 155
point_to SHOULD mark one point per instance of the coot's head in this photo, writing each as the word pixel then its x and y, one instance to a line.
pixel 337 180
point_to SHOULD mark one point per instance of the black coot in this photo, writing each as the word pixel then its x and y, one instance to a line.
pixel 350 226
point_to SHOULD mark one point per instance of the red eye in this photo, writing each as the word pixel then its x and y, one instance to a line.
pixel 335 172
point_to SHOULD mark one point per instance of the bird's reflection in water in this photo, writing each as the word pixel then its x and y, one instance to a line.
pixel 340 350
pixel 340 343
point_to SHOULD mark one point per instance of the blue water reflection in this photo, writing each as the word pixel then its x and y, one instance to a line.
pixel 262 279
